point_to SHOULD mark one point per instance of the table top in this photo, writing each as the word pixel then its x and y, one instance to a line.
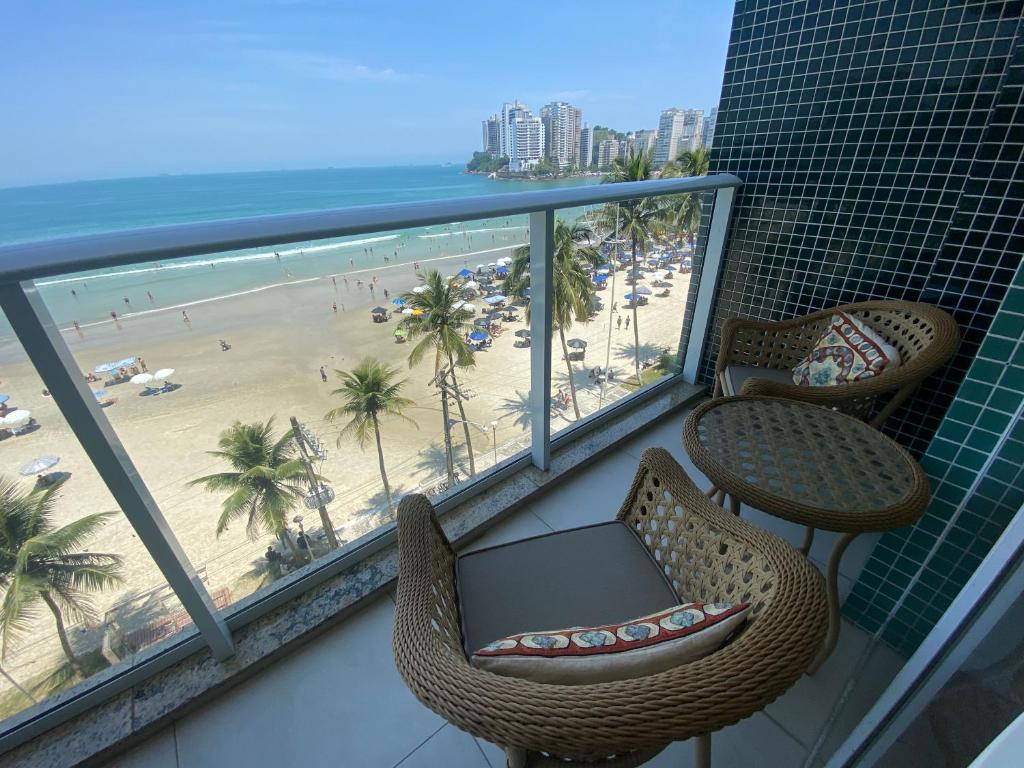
pixel 805 463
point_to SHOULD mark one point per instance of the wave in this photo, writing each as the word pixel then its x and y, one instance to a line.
pixel 468 232
pixel 262 256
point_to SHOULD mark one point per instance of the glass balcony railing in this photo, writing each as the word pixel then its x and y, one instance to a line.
pixel 256 395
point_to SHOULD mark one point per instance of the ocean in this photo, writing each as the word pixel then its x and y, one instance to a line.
pixel 60 210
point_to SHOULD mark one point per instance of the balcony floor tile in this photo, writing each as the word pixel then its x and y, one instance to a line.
pixel 158 751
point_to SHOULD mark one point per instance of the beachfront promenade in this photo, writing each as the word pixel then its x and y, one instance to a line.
pixel 279 338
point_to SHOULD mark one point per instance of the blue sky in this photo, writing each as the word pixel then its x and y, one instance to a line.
pixel 106 89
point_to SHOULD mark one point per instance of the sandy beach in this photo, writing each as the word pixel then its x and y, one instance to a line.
pixel 280 337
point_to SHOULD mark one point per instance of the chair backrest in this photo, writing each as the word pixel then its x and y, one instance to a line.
pixel 925 336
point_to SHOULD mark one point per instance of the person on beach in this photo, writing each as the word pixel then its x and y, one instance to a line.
pixel 371 289
pixel 78 328
pixel 627 322
pixel 386 293
pixel 277 256
pixel 334 306
pixel 334 282
pixel 125 300
pixel 142 364
pixel 184 317
pixel 346 282
pixel 74 293
pixel 113 315
pixel 151 299
pixel 618 323
pixel 351 262
pixel 323 375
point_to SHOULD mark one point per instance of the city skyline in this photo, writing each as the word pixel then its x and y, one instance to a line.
pixel 139 89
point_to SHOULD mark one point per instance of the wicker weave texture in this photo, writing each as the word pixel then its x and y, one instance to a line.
pixel 709 556
pixel 925 336
pixel 806 464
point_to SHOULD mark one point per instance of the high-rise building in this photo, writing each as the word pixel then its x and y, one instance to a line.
pixel 641 141
pixel 586 148
pixel 678 130
pixel 526 148
pixel 509 112
pixel 608 151
pixel 492 136
pixel 709 128
pixel 562 126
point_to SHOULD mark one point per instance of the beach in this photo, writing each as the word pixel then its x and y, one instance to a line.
pixel 280 334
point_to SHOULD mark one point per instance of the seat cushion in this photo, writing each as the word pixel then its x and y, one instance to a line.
pixel 584 577
pixel 621 651
pixel 734 375
pixel 848 350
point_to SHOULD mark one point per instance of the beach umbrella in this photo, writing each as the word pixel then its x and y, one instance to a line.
pixel 577 343
pixel 492 265
pixel 399 332
pixel 378 311
pixel 643 290
pixel 600 278
pixel 495 299
pixel 465 273
pixel 113 366
pixel 477 336
pixel 458 305
pixel 99 393
pixel 4 398
pixel 417 312
pixel 483 322
pixel 471 308
pixel 407 311
pixel 16 418
pixel 163 374
pixel 141 378
pixel 669 269
pixel 399 302
pixel 631 296
pixel 419 289
pixel 471 285
pixel 604 271
pixel 502 270
pixel 38 465
pixel 481 267
pixel 506 260
pixel 523 333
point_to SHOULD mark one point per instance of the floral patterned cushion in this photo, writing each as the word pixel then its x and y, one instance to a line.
pixel 848 350
pixel 643 646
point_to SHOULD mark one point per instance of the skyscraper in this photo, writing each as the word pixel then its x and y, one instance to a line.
pixel 641 141
pixel 709 128
pixel 586 149
pixel 678 130
pixel 492 136
pixel 693 130
pixel 509 112
pixel 526 148
pixel 607 151
pixel 562 126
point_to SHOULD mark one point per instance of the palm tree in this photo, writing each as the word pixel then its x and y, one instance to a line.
pixel 41 562
pixel 636 220
pixel 441 327
pixel 571 288
pixel 370 392
pixel 266 482
pixel 683 211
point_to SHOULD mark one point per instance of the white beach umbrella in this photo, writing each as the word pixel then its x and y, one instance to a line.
pixel 506 260
pixel 469 307
pixel 407 311
pixel 16 418
pixel 458 305
pixel 141 378
pixel 480 267
pixel 163 374
pixel 419 289
pixel 471 285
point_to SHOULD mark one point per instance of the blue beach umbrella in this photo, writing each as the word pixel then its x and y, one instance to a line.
pixel 632 296
pixel 400 302
pixel 600 278
pixel 105 367
pixel 496 299
pixel 4 398
pixel 501 270
pixel 477 336
pixel 643 290
pixel 466 273
pixel 100 393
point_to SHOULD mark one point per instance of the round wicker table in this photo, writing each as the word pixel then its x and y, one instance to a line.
pixel 808 465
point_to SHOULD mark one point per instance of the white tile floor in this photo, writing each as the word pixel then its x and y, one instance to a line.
pixel 339 701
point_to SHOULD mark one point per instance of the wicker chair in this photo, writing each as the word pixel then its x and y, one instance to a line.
pixel 925 336
pixel 707 554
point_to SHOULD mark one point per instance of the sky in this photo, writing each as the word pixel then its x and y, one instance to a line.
pixel 105 89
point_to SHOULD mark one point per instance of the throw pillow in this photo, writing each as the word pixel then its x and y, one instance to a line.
pixel 848 350
pixel 634 648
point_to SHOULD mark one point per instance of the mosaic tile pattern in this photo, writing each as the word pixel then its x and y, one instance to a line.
pixel 859 130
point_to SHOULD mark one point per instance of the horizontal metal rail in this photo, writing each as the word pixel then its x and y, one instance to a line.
pixel 47 258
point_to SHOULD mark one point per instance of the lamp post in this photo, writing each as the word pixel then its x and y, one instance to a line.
pixel 494 440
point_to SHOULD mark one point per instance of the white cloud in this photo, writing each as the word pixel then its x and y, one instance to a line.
pixel 329 67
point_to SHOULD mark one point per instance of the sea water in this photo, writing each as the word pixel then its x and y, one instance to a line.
pixel 60 210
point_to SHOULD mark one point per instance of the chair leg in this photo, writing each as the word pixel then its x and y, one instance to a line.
pixel 720 498
pixel 515 757
pixel 734 504
pixel 710 492
pixel 805 549
pixel 702 751
pixel 832 589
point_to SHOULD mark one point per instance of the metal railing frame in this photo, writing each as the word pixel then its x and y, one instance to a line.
pixel 23 263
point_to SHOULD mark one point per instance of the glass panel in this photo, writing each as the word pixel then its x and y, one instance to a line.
pixel 70 562
pixel 621 282
pixel 205 363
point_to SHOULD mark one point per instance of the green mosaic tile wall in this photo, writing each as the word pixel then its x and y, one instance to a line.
pixel 972 500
